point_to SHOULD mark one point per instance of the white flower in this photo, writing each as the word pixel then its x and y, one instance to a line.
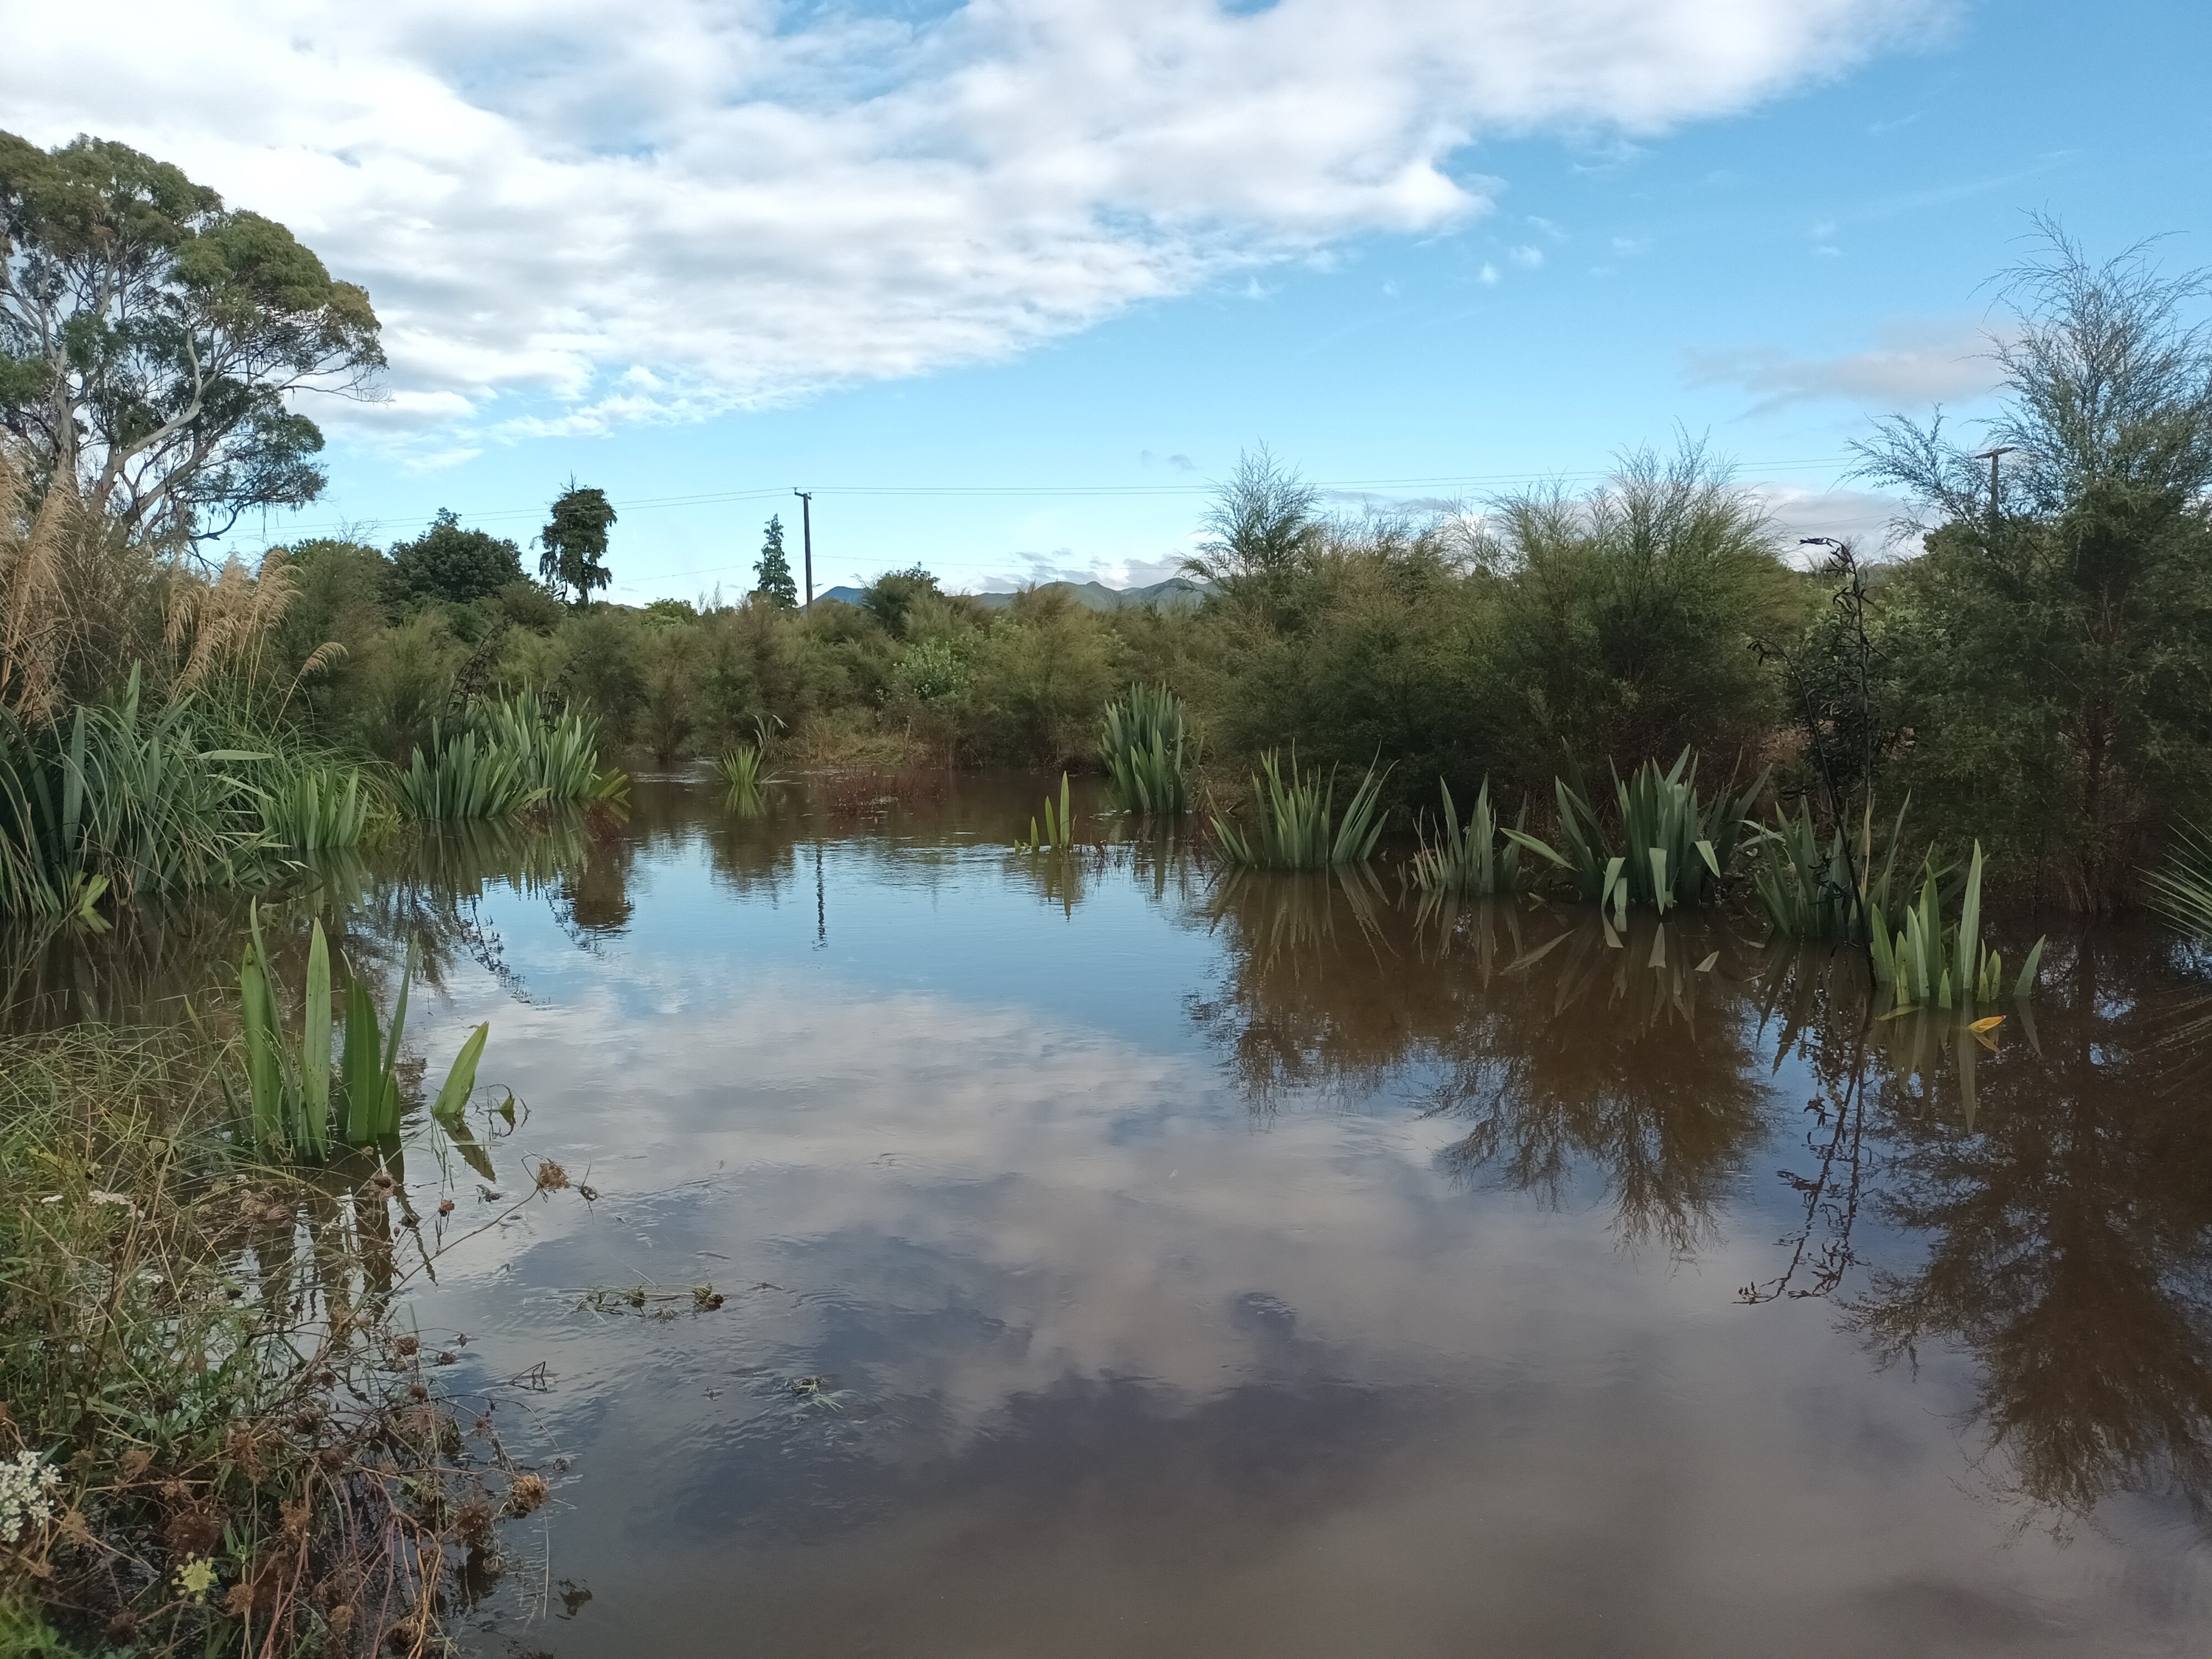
pixel 27 1494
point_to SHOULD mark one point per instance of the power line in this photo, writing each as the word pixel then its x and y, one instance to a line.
pixel 1347 486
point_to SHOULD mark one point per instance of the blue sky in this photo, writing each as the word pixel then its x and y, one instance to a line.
pixel 1006 283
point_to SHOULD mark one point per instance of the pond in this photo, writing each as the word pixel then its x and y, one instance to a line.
pixel 1119 1259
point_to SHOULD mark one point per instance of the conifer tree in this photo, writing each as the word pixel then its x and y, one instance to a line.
pixel 776 586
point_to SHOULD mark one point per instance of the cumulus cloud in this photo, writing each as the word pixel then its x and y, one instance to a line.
pixel 1915 364
pixel 661 209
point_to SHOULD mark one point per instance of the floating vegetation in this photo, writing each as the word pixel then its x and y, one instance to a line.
pixel 1297 824
pixel 1470 860
pixel 1674 847
pixel 1142 749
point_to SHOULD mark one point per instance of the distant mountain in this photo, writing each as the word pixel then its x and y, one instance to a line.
pixel 1176 593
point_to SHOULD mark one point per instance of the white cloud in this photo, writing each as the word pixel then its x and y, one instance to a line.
pixel 1918 362
pixel 1526 257
pixel 545 200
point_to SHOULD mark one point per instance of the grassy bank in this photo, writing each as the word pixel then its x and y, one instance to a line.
pixel 224 1434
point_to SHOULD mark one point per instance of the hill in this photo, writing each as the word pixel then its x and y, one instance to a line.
pixel 1176 593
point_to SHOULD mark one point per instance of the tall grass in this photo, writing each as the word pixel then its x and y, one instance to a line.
pixel 1470 859
pixel 2182 890
pixel 1296 825
pixel 1667 846
pixel 115 801
pixel 1142 748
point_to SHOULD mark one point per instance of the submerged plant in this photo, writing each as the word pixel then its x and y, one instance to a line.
pixel 1675 845
pixel 1298 824
pixel 1926 964
pixel 1142 748
pixel 744 770
pixel 291 1108
pixel 1468 860
pixel 1059 832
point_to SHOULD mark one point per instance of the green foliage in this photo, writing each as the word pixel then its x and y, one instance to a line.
pixel 2183 887
pixel 450 563
pixel 464 775
pixel 1298 827
pixel 775 584
pixel 2051 650
pixel 1816 889
pixel 556 755
pixel 1142 750
pixel 930 672
pixel 1058 835
pixel 320 809
pixel 117 800
pixel 575 543
pixel 1259 526
pixel 1624 620
pixel 1673 847
pixel 291 1108
pixel 744 774
pixel 891 596
pixel 151 337
pixel 1927 962
pixel 1470 860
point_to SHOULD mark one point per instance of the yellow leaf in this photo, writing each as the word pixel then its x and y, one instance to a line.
pixel 1989 1025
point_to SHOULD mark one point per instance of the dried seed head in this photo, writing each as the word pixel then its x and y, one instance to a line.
pixel 551 1177
pixel 134 1462
pixel 444 1206
pixel 381 1183
pixel 525 1493
pixel 407 1345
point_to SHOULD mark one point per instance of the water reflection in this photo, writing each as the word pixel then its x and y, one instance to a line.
pixel 1259 1251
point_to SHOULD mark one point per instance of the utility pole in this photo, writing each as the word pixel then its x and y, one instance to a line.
pixel 807 531
pixel 1991 455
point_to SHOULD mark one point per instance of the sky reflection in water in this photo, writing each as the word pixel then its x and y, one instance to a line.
pixel 1120 1262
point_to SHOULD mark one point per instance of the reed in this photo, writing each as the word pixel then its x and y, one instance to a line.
pixel 2183 888
pixel 1298 825
pixel 1673 847
pixel 1470 859
pixel 1141 746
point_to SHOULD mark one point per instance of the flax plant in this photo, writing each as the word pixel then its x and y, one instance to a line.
pixel 1296 823
pixel 1142 749
pixel 1469 860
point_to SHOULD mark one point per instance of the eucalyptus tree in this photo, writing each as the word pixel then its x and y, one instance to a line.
pixel 153 343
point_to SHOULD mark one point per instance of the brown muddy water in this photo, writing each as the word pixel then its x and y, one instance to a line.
pixel 1118 1259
